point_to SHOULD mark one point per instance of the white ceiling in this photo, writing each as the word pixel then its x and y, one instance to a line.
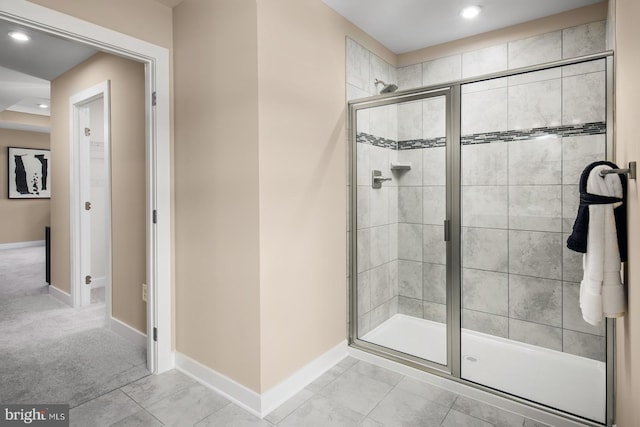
pixel 26 69
pixel 22 92
pixel 44 56
pixel 407 25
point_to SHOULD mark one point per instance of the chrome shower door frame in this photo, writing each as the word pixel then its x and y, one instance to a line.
pixel 452 370
pixel 453 318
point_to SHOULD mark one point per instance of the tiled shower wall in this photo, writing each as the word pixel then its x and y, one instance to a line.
pixel 519 200
pixel 421 209
pixel 377 230
pixel 525 144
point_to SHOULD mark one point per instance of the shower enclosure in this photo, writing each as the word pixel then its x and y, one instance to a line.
pixel 462 198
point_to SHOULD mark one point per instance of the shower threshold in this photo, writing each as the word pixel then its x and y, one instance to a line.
pixel 570 383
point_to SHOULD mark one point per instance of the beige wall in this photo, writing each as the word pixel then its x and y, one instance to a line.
pixel 584 15
pixel 302 183
pixel 216 163
pixel 260 184
pixel 22 220
pixel 128 178
pixel 627 149
pixel 145 19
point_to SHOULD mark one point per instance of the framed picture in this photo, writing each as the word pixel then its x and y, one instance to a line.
pixel 29 173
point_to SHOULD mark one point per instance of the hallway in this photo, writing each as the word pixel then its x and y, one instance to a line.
pixel 51 352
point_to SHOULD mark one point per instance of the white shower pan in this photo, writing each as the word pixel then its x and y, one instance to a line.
pixel 570 383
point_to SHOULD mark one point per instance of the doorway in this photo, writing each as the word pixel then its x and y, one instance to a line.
pixel 157 200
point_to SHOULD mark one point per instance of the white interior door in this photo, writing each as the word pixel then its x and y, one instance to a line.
pixel 90 195
pixel 97 189
pixel 85 208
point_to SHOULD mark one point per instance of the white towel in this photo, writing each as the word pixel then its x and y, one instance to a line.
pixel 601 290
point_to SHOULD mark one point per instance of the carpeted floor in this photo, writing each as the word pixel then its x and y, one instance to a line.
pixel 49 352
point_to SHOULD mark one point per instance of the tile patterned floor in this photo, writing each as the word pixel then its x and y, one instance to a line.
pixel 352 393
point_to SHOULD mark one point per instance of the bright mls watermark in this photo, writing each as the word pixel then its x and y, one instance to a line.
pixel 34 415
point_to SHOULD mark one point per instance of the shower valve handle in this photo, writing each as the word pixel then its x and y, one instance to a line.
pixel 377 179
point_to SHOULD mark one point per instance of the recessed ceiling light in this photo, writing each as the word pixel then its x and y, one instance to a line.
pixel 43 106
pixel 470 12
pixel 19 36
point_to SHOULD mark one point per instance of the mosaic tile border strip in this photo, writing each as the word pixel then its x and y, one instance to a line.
pixel 582 129
pixel 422 143
pixel 367 138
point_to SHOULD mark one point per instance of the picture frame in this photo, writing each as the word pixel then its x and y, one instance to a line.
pixel 29 173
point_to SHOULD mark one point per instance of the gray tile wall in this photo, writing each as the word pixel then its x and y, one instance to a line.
pixel 519 197
pixel 519 279
pixel 568 43
pixel 377 209
pixel 421 198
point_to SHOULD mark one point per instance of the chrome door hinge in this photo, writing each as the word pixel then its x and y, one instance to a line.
pixel 87 280
pixel 87 132
pixel 155 216
pixel 155 334
pixel 153 99
pixel 87 206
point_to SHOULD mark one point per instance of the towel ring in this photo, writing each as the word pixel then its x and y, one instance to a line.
pixel 631 171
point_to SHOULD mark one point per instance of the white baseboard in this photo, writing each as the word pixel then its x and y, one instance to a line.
pixel 60 295
pixel 291 385
pixel 127 332
pixel 98 282
pixel 232 390
pixel 261 404
pixel 19 245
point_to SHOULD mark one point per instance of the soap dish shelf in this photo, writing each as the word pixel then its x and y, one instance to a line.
pixel 398 166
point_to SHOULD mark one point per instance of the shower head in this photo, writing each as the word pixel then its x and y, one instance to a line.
pixel 386 88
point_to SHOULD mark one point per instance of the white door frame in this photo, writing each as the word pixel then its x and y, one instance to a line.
pixel 80 225
pixel 158 151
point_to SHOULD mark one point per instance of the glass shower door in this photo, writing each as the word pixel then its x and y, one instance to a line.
pixel 525 140
pixel 401 206
pixel 462 201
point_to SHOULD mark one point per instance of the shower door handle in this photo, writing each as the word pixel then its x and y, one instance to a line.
pixel 447 230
